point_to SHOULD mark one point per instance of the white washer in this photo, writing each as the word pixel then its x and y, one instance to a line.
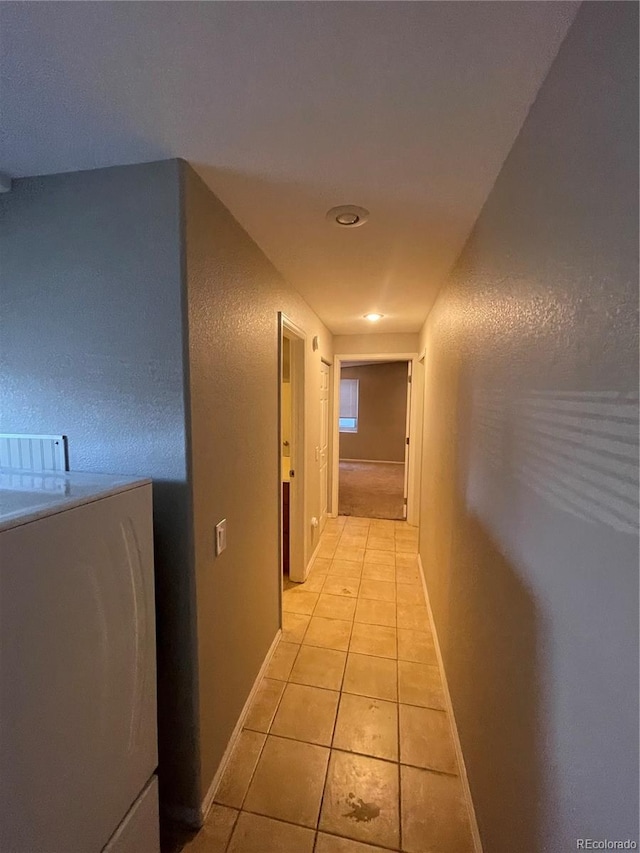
pixel 78 737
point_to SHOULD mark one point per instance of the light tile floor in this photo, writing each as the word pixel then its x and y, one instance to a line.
pixel 347 747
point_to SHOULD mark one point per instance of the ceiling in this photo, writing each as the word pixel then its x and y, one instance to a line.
pixel 287 109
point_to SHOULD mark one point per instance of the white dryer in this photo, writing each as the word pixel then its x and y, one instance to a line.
pixel 78 737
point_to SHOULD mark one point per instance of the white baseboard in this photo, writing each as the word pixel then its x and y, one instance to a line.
pixel 477 842
pixel 208 799
pixel 381 461
pixel 312 558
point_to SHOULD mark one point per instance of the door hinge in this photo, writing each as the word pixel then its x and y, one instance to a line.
pixel 409 379
pixel 407 439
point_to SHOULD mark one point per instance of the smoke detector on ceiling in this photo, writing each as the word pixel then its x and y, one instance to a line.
pixel 348 216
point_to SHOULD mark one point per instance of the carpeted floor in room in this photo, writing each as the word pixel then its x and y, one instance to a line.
pixel 371 489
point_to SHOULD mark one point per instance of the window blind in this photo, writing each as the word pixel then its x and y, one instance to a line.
pixel 349 398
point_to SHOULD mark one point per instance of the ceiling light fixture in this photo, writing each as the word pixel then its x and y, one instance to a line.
pixel 348 215
pixel 350 218
pixel 373 317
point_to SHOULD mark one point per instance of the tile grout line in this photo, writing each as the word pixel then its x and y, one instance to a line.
pixel 335 721
pixel 399 737
pixel 332 833
pixel 378 844
pixel 341 692
pixel 352 752
pixel 266 734
pixel 233 829
pixel 333 733
pixel 279 820
pixel 349 693
pixel 355 751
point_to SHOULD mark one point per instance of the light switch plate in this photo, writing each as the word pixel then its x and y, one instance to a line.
pixel 221 536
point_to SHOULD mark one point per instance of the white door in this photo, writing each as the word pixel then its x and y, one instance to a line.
pixel 406 442
pixel 294 465
pixel 324 442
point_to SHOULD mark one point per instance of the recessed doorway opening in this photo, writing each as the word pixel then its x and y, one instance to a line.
pixel 291 454
pixel 373 472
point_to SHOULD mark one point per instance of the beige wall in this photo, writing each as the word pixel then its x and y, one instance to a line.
pixel 375 344
pixel 382 413
pixel 169 368
pixel 529 505
pixel 234 295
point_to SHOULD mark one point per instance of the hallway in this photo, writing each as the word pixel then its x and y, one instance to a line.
pixel 445 189
pixel 347 737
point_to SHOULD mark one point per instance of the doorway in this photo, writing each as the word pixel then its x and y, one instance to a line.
pixel 291 449
pixel 374 472
pixel 325 432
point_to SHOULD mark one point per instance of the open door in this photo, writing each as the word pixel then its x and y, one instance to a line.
pixel 291 454
pixel 325 370
pixel 406 492
pixel 407 440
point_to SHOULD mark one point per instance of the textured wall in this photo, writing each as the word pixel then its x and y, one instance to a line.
pixel 375 344
pixel 382 413
pixel 530 489
pixel 91 347
pixel 234 295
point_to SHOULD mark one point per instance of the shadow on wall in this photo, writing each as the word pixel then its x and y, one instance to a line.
pixel 176 647
pixel 488 627
pixel 531 498
pixel 496 683
pixel 530 476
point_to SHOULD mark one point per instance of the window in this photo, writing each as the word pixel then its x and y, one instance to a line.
pixel 348 419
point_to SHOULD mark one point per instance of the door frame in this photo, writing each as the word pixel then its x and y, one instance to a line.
pixel 298 345
pixel 408 450
pixel 413 502
pixel 322 521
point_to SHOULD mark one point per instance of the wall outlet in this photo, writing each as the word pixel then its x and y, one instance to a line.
pixel 221 536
